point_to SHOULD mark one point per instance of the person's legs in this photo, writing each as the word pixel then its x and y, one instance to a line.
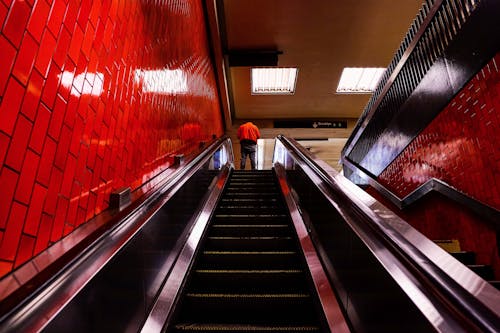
pixel 253 160
pixel 243 158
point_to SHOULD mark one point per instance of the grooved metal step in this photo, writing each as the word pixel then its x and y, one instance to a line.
pixel 243 328
pixel 249 276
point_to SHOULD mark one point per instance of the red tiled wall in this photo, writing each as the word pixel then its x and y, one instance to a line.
pixel 459 147
pixel 94 95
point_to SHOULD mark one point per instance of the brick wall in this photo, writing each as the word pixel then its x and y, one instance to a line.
pixel 94 95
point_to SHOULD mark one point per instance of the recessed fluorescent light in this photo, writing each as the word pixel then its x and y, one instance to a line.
pixel 273 81
pixel 359 80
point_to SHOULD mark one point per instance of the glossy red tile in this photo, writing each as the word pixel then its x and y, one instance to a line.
pixel 63 148
pixel 10 241
pixel 19 143
pixel 38 19
pixel 69 176
pixel 53 192
pixel 95 12
pixel 57 12
pixel 16 22
pixel 71 14
pixel 47 46
pixel 40 129
pixel 27 178
pixel 57 118
pixel 35 210
pixel 88 40
pixel 4 146
pixel 80 216
pixel 4 10
pixel 7 58
pixel 77 136
pixel 455 144
pixel 25 59
pixel 25 251
pixel 32 96
pixel 46 162
pixel 5 267
pixel 51 85
pixel 76 43
pixel 60 217
pixel 11 103
pixel 61 50
pixel 8 183
pixel 43 236
pixel 83 14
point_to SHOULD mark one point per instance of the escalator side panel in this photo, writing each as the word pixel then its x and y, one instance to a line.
pixel 372 300
pixel 118 298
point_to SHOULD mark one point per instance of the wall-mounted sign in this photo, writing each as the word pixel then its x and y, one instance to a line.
pixel 310 124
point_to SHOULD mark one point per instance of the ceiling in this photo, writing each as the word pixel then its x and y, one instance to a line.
pixel 320 37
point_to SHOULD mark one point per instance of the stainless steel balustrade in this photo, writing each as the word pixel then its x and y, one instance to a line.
pixel 450 296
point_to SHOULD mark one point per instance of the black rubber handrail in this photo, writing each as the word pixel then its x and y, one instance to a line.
pixel 461 305
pixel 491 214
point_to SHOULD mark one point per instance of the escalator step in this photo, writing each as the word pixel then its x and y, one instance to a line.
pixel 244 210
pixel 495 284
pixel 248 280
pixel 249 276
pixel 227 200
pixel 259 309
pixel 254 216
pixel 255 297
pixel 249 219
pixel 250 230
pixel 465 257
pixel 484 271
pixel 243 328
pixel 265 243
pixel 249 259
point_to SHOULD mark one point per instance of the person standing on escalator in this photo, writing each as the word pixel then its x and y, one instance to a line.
pixel 248 134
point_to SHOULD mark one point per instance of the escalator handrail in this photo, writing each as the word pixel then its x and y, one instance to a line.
pixel 66 279
pixel 478 308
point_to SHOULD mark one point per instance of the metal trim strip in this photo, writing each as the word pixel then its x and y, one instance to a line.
pixel 331 308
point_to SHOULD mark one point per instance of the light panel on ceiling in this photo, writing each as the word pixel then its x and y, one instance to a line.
pixel 356 80
pixel 274 81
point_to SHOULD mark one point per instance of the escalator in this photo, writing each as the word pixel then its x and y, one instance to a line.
pixel 249 274
pixel 225 250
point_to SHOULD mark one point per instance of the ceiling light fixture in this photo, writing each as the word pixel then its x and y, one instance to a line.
pixel 356 80
pixel 274 81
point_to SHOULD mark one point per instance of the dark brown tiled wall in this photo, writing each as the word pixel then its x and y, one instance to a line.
pixel 94 95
